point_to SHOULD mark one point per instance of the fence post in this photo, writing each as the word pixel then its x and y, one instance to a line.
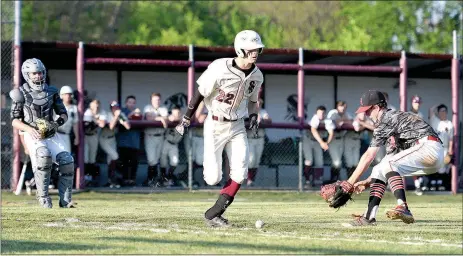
pixel 191 82
pixel 455 76
pixel 17 82
pixel 300 113
pixel 80 173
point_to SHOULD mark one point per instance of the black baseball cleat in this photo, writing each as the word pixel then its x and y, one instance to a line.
pixel 217 222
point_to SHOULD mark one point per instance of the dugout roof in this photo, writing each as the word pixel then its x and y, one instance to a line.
pixel 62 55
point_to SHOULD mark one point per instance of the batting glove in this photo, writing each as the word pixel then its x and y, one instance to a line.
pixel 253 124
pixel 180 128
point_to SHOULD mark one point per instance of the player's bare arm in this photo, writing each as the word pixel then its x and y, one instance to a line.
pixel 365 161
pixel 316 135
pixel 330 136
pixel 115 120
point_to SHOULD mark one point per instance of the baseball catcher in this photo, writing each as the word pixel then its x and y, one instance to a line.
pixel 417 150
pixel 33 107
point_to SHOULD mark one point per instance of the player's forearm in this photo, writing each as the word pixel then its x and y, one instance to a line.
pixel 330 137
pixel 194 103
pixel 316 135
pixel 113 123
pixel 451 147
pixel 252 107
pixel 126 125
pixel 362 166
pixel 76 130
pixel 20 125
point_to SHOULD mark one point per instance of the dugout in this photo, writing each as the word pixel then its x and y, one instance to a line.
pixel 340 71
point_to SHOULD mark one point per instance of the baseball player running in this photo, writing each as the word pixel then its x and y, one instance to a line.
pixel 230 89
pixel 313 145
pixel 339 116
pixel 444 128
pixel 154 137
pixel 36 100
pixel 108 141
pixel 419 151
pixel 256 143
pixel 94 120
pixel 169 153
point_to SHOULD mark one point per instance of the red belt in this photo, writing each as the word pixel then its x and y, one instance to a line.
pixel 430 138
pixel 216 118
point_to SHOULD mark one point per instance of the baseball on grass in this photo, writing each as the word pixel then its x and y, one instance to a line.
pixel 259 224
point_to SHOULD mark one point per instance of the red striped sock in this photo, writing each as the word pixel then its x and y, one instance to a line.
pixel 396 184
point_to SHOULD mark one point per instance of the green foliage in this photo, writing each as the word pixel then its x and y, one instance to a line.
pixel 348 25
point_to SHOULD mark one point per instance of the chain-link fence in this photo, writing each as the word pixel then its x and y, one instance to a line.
pixel 7 66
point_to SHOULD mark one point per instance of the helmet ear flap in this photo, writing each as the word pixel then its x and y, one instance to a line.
pixel 260 50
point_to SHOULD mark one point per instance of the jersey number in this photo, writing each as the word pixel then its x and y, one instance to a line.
pixel 225 98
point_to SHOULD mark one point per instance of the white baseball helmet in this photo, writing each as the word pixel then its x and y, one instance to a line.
pixel 66 89
pixel 34 65
pixel 247 40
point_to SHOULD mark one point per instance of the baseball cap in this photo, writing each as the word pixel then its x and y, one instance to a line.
pixel 416 99
pixel 114 104
pixel 369 99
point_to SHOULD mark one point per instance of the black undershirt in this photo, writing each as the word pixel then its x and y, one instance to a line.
pixel 245 71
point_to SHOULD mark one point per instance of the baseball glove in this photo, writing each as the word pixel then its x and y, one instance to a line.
pixel 337 194
pixel 46 128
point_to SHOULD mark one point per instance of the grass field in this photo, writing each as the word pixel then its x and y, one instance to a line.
pixel 172 223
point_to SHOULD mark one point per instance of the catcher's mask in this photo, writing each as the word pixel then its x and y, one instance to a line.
pixel 34 73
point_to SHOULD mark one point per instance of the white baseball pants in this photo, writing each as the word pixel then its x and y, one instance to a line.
pixel 91 148
pixel 66 139
pixel 109 146
pixel 169 155
pixel 54 144
pixel 198 149
pixel 256 148
pixel 336 148
pixel 425 158
pixel 313 153
pixel 351 151
pixel 153 147
pixel 232 137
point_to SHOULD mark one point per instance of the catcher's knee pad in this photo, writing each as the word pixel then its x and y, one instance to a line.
pixel 66 163
pixel 44 161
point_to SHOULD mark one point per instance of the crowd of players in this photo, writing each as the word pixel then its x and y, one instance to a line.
pixel 111 132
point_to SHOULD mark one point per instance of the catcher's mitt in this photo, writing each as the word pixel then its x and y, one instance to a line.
pixel 46 128
pixel 337 194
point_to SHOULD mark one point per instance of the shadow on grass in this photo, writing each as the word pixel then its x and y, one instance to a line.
pixel 22 246
pixel 239 247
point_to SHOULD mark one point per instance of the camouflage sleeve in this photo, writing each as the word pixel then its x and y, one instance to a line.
pixel 58 104
pixel 382 132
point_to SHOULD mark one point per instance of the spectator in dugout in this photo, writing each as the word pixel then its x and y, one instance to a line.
pixel 314 143
pixel 256 143
pixel 416 103
pixel 438 118
pixel 128 142
pixel 94 119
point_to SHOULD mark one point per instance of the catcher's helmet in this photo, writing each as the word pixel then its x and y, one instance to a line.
pixel 32 66
pixel 247 40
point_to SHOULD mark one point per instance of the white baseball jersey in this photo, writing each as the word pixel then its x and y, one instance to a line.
pixel 161 111
pixel 315 122
pixel 226 91
pixel 443 128
pixel 334 115
pixel 89 117
pixel 108 117
pixel 263 114
pixel 73 118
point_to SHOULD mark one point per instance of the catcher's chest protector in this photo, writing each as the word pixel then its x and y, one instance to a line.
pixel 38 104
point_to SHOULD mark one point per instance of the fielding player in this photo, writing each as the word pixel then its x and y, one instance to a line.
pixel 230 89
pixel 419 152
pixel 35 100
